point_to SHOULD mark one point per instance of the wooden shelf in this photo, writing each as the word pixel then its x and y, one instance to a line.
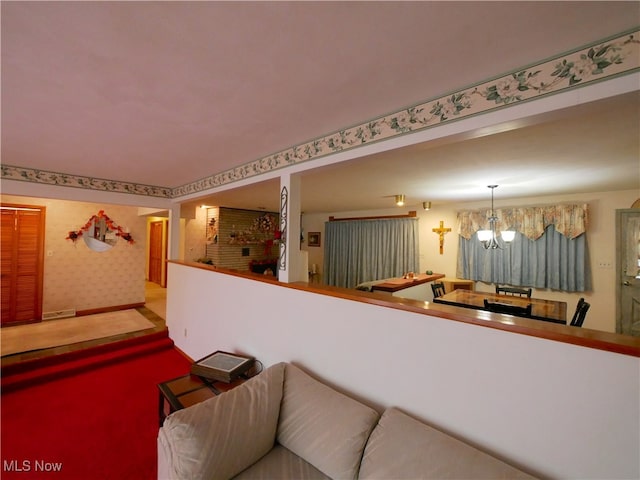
pixel 451 284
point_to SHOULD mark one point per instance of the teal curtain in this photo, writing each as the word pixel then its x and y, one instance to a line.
pixel 552 261
pixel 357 251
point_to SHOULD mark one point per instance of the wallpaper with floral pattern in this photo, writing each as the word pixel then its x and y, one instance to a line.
pixel 76 277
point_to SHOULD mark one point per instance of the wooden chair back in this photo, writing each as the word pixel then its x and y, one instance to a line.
pixel 516 310
pixel 579 315
pixel 515 291
pixel 438 289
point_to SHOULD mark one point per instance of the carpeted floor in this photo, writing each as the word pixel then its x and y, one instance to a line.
pixel 53 333
pixel 96 423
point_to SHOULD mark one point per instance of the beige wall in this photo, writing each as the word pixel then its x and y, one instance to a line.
pixel 194 234
pixel 79 278
pixel 600 239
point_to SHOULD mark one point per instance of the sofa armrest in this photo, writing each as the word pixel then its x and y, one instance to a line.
pixel 164 458
pixel 222 436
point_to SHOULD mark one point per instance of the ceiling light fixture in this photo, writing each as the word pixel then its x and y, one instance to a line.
pixel 489 237
pixel 400 200
pixel 426 205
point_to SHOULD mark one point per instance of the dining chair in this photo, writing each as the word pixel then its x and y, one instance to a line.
pixel 522 292
pixel 577 311
pixel 438 289
pixel 579 315
pixel 506 308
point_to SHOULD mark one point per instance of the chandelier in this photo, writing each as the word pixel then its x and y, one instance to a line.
pixel 489 238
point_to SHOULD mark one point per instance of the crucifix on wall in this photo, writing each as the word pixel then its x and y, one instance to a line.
pixel 441 231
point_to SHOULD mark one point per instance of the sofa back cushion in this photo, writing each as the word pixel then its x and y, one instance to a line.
pixel 401 447
pixel 281 463
pixel 222 436
pixel 324 427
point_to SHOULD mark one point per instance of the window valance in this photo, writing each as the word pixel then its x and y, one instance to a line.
pixel 569 220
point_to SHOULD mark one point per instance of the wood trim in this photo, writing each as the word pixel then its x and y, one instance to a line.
pixel 43 233
pixel 187 357
pixel 165 241
pixel 583 337
pixel 411 214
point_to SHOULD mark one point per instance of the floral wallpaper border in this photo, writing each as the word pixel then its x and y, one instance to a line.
pixel 66 180
pixel 605 59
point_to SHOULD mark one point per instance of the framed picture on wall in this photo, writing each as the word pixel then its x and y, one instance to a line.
pixel 314 239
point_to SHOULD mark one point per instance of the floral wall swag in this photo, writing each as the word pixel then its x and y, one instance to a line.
pixel 96 219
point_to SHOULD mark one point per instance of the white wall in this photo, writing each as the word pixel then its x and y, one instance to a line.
pixel 556 409
pixel 601 236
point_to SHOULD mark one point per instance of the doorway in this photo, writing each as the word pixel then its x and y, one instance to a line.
pixel 158 252
pixel 628 271
pixel 22 263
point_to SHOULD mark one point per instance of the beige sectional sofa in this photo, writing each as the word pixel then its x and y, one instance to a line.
pixel 284 424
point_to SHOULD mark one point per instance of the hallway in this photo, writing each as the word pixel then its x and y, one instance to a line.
pixel 156 299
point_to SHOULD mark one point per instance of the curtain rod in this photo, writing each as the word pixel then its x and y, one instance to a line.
pixel 411 214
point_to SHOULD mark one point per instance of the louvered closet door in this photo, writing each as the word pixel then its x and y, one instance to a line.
pixel 6 264
pixel 22 262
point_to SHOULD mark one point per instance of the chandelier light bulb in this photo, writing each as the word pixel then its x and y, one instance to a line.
pixel 489 238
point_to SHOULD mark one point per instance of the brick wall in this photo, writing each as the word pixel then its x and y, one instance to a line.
pixel 236 243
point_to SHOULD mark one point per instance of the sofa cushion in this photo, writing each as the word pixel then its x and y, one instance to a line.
pixel 222 436
pixel 324 427
pixel 281 463
pixel 401 447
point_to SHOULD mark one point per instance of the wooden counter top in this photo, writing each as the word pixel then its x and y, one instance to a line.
pixel 397 284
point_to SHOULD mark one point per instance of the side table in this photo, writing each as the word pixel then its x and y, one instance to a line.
pixel 187 390
pixel 451 284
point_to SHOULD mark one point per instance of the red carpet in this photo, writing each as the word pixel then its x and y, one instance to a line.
pixel 90 418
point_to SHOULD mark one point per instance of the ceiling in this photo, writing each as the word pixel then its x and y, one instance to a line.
pixel 166 93
pixel 567 152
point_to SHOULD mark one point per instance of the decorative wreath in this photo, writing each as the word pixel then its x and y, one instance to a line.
pixel 264 223
pixel 73 236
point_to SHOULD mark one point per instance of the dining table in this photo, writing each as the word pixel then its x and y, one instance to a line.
pixel 541 309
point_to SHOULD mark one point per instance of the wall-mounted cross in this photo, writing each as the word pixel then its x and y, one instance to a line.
pixel 441 232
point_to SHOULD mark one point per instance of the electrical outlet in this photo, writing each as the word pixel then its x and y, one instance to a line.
pixel 605 264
